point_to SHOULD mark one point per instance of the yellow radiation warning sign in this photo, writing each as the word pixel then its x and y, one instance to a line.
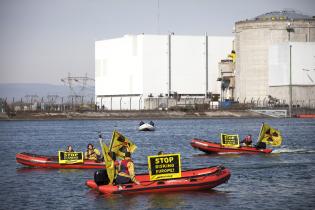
pixel 70 157
pixel 166 166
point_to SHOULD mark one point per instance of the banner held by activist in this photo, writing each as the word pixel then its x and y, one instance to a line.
pixel 229 140
pixel 166 166
pixel 109 162
pixel 70 157
pixel 120 145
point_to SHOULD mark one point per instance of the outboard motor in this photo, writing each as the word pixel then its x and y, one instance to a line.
pixel 261 145
pixel 101 177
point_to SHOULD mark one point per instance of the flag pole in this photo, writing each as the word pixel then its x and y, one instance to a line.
pixel 111 142
pixel 262 125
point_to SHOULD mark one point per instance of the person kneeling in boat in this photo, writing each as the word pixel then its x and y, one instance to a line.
pixel 92 153
pixel 126 171
pixel 247 141
pixel 261 145
pixel 69 149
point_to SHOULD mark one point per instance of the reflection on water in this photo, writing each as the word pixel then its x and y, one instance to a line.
pixel 170 200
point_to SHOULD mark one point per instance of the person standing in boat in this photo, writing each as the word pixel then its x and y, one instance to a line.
pixel 92 153
pixel 69 149
pixel 247 141
pixel 126 172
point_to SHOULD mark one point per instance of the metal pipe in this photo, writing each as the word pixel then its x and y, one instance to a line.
pixel 290 85
pixel 206 55
pixel 169 66
pixel 140 102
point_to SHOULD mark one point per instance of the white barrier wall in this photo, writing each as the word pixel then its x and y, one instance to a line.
pixel 118 67
pixel 302 64
pixel 155 64
pixel 139 64
pixel 188 64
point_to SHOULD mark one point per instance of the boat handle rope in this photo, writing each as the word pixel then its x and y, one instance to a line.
pixel 216 172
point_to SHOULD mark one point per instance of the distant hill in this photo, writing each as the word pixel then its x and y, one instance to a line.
pixel 20 90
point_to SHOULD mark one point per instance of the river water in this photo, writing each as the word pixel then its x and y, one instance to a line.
pixel 284 179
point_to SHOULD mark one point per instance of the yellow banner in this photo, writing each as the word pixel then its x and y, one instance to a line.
pixel 70 157
pixel 270 135
pixel 109 163
pixel 120 145
pixel 166 166
pixel 229 140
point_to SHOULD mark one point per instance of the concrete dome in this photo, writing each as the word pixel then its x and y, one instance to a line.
pixel 283 15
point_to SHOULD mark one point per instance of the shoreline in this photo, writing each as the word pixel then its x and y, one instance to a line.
pixel 132 115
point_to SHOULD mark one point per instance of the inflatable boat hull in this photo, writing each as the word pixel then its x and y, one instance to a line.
pixel 211 147
pixel 146 127
pixel 198 179
pixel 41 161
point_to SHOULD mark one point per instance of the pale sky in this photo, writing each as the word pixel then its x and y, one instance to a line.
pixel 42 40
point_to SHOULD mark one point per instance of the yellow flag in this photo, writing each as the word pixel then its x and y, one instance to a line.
pixel 270 135
pixel 109 163
pixel 120 145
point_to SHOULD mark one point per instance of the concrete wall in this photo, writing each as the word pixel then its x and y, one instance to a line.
pixel 188 64
pixel 154 64
pixel 302 64
pixel 300 94
pixel 139 64
pixel 118 66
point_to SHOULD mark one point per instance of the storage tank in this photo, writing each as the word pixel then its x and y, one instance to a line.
pixel 253 39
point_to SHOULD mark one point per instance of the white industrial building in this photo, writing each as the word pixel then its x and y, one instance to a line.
pixel 134 68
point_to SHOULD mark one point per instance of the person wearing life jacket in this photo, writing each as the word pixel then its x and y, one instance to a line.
pixel 247 141
pixel 92 153
pixel 126 171
pixel 69 149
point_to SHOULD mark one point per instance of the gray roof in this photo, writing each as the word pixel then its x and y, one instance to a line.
pixel 282 15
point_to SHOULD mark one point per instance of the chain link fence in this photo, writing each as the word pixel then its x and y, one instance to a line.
pixel 200 104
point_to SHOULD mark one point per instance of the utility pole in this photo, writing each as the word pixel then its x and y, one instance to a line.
pixel 290 85
pixel 206 56
pixel 169 65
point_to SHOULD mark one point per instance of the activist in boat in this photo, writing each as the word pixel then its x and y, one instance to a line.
pixel 231 144
pixel 247 141
pixel 119 147
pixel 69 149
pixel 91 159
pixel 164 172
pixel 64 160
pixel 92 153
pixel 126 172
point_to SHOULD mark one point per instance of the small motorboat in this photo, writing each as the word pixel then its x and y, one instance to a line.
pixel 212 147
pixel 146 126
pixel 42 161
pixel 197 179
